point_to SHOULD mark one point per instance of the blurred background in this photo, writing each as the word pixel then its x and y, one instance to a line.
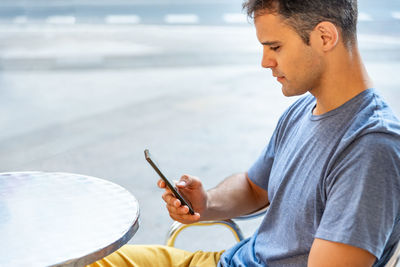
pixel 86 86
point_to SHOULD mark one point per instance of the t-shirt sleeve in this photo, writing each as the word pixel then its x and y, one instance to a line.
pixel 362 192
pixel 261 168
pixel 259 172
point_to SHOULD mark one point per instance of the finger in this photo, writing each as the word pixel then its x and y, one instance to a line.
pixel 167 190
pixel 171 199
pixel 191 218
pixel 186 218
pixel 183 182
pixel 161 183
pixel 181 210
pixel 167 196
pixel 196 216
pixel 172 210
pixel 176 202
pixel 188 181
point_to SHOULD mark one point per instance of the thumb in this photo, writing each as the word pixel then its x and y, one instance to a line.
pixel 188 181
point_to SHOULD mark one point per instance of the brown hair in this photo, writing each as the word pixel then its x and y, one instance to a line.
pixel 304 15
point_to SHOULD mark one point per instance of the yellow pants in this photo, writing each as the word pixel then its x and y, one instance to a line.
pixel 141 255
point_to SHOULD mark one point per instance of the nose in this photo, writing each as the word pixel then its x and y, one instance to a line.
pixel 268 61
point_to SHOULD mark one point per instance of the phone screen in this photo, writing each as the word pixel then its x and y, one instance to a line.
pixel 153 164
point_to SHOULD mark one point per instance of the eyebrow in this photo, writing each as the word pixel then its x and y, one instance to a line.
pixel 270 43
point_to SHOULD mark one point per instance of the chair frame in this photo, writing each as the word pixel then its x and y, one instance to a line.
pixel 178 227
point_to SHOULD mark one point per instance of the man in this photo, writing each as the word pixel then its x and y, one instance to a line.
pixel 331 172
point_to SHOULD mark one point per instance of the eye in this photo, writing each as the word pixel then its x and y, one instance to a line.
pixel 275 48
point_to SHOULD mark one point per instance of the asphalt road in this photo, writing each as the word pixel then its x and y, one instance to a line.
pixel 90 97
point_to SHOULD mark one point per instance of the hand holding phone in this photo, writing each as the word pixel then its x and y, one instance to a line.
pixel 153 164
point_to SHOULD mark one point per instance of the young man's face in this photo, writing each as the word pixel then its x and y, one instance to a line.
pixel 297 66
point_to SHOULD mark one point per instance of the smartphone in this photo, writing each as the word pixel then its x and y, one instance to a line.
pixel 167 182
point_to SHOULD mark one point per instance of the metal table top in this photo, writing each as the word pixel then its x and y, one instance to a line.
pixel 62 219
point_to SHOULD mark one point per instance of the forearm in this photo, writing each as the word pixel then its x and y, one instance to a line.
pixel 233 197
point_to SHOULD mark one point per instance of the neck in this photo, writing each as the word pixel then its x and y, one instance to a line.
pixel 344 77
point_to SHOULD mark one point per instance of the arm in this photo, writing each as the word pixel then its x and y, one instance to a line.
pixel 236 195
pixel 332 254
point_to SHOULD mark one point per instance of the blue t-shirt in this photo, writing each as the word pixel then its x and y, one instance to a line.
pixel 335 177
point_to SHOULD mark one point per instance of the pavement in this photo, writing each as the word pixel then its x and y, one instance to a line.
pixel 89 98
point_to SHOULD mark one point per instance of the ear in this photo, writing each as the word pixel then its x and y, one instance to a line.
pixel 326 35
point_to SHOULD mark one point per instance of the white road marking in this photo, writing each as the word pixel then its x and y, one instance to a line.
pixel 122 19
pixel 20 20
pixel 378 39
pixel 364 17
pixel 61 20
pixel 396 15
pixel 235 18
pixel 181 19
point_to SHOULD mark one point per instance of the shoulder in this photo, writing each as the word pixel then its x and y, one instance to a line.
pixel 370 143
pixel 373 133
pixel 374 116
pixel 372 127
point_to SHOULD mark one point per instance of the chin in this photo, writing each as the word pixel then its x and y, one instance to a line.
pixel 288 92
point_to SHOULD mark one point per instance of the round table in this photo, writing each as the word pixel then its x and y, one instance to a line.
pixel 62 219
